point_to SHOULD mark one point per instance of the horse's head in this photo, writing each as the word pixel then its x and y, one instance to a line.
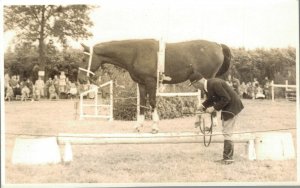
pixel 90 63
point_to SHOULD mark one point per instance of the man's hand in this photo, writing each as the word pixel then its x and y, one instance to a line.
pixel 200 108
pixel 210 110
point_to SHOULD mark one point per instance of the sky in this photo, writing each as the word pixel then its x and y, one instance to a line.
pixel 237 23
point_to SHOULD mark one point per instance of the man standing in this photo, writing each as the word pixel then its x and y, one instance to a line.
pixel 220 96
pixel 39 86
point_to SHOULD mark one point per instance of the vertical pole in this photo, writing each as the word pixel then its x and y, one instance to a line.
pixel 81 107
pixel 272 85
pixel 286 89
pixel 199 97
pixel 137 101
pixel 96 101
pixel 111 101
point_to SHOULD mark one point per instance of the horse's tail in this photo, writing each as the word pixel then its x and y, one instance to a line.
pixel 226 63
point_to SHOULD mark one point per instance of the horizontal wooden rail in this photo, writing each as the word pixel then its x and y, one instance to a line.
pixel 145 138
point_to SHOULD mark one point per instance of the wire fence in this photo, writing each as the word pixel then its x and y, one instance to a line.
pixel 213 134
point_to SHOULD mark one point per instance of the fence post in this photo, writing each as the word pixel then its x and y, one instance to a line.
pixel 81 107
pixel 137 101
pixel 272 85
pixel 111 101
pixel 199 97
pixel 96 102
pixel 286 88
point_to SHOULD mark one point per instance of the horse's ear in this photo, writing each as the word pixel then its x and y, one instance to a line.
pixel 85 47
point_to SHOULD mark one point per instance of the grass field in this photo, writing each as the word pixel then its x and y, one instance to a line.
pixel 159 163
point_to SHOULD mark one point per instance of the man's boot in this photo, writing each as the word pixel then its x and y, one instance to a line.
pixel 227 153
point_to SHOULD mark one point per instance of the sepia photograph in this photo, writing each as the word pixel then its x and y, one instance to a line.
pixel 114 93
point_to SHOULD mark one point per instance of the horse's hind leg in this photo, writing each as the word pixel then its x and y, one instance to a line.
pixel 141 116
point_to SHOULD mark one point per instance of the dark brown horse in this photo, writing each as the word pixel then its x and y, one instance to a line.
pixel 183 61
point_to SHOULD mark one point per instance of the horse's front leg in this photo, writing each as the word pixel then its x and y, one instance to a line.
pixel 151 89
pixel 141 116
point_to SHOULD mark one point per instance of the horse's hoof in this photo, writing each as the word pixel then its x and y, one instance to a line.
pixel 154 131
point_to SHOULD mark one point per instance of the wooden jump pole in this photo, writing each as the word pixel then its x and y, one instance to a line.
pixel 144 138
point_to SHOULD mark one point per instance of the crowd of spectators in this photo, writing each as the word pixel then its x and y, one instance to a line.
pixel 251 90
pixel 58 87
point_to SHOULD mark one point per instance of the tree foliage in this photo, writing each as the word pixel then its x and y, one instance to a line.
pixel 260 63
pixel 41 23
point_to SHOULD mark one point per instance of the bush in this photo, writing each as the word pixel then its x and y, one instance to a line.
pixel 125 102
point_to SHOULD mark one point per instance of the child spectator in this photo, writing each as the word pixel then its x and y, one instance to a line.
pixel 36 93
pixel 73 90
pixel 259 93
pixel 25 93
pixel 52 92
pixel 29 84
pixel 92 94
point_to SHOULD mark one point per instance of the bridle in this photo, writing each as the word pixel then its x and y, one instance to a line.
pixel 88 70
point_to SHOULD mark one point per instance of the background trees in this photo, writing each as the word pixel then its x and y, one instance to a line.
pixel 278 64
pixel 43 24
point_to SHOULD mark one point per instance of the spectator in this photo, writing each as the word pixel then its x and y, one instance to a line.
pixel 250 91
pixel 80 88
pixel 56 84
pixel 29 84
pixel 229 81
pixel 6 80
pixel 14 84
pixel 243 90
pixel 35 93
pixel 68 85
pixel 25 93
pixel 236 85
pixel 62 83
pixel 49 82
pixel 92 94
pixel 267 87
pixel 52 92
pixel 39 87
pixel 259 93
pixel 255 84
pixel 73 90
pixel 9 93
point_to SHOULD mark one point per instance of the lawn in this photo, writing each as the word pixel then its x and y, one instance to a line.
pixel 157 163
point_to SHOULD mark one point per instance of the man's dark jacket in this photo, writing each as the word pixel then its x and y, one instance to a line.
pixel 222 97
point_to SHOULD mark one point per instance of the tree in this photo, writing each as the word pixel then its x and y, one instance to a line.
pixel 38 23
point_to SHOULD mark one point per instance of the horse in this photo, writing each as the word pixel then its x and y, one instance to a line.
pixel 189 60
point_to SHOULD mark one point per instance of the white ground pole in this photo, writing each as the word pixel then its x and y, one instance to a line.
pixel 259 145
pixel 286 86
pixel 96 105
